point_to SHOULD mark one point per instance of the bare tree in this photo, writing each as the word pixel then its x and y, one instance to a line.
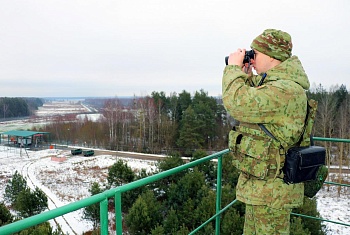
pixel 343 117
pixel 112 112
pixel 325 119
pixel 140 107
pixel 153 118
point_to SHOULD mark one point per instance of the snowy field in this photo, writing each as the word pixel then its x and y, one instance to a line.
pixel 61 107
pixel 62 182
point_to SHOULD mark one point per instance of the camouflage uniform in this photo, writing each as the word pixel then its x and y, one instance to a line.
pixel 280 104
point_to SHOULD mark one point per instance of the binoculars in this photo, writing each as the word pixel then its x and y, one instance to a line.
pixel 247 57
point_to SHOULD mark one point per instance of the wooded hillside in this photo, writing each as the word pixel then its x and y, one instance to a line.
pixel 18 107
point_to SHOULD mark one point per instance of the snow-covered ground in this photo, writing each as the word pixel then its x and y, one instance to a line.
pixel 70 180
pixel 63 182
pixel 61 107
pixel 335 206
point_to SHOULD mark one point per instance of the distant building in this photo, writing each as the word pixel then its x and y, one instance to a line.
pixel 25 138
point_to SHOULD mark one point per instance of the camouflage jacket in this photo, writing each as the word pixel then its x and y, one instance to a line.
pixel 280 104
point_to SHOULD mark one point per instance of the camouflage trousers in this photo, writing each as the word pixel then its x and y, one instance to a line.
pixel 263 220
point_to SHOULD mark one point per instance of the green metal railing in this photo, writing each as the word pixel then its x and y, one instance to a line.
pixel 102 198
pixel 331 139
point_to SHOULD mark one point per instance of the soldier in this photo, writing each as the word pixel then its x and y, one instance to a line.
pixel 276 98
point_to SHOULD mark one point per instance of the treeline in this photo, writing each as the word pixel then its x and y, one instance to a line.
pixel 19 107
pixel 152 124
pixel 333 121
pixel 184 122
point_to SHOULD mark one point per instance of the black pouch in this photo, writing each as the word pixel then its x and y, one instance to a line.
pixel 302 163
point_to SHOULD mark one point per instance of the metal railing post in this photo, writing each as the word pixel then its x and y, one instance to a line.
pixel 218 195
pixel 104 216
pixel 118 212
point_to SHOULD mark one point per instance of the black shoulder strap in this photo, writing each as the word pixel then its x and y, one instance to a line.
pixel 262 79
pixel 267 131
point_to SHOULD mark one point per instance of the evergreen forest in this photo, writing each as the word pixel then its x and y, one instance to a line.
pixel 18 107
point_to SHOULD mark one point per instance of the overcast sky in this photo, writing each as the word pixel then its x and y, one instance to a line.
pixel 133 47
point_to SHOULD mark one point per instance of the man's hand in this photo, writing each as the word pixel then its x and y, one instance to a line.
pixel 236 58
pixel 247 68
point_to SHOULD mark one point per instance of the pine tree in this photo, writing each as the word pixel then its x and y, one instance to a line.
pixel 190 132
pixel 186 188
pixel 5 215
pixel 42 229
pixel 310 208
pixel 208 168
pixel 14 187
pixel 30 203
pixel 93 212
pixel 168 163
pixel 144 215
pixel 120 173
pixel 158 230
pixel 232 223
pixel 297 227
pixel 171 222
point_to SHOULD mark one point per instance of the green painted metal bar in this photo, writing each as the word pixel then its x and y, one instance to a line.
pixel 331 139
pixel 118 213
pixel 104 216
pixel 161 175
pixel 218 195
pixel 338 184
pixel 47 215
pixel 213 217
pixel 318 218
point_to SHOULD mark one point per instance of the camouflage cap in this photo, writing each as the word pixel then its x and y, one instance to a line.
pixel 274 43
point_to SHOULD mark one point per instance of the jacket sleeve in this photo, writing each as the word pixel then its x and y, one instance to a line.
pixel 251 104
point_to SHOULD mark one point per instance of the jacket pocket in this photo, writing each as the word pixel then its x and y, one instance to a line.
pixel 252 156
pixel 234 140
pixel 252 166
pixel 256 148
